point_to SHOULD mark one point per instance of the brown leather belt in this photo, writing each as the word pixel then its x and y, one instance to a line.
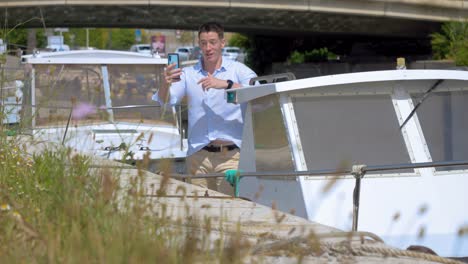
pixel 220 148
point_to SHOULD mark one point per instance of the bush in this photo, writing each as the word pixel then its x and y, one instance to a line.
pixel 315 55
pixel 239 40
pixel 451 43
pixel 296 57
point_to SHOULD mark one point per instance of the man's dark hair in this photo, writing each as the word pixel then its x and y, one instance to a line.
pixel 212 27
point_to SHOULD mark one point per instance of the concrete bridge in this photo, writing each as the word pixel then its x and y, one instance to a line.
pixel 391 18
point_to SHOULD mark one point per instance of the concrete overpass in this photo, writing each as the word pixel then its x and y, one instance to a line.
pixel 391 18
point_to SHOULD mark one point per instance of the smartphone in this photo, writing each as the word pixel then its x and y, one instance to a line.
pixel 173 58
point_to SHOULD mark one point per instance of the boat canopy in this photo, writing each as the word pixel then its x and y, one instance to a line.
pixel 98 100
pixel 93 57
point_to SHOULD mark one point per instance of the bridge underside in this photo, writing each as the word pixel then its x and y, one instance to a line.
pixel 248 20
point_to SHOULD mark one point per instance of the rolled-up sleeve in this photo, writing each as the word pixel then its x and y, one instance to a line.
pixel 245 74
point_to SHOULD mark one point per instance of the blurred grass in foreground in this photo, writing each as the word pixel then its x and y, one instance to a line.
pixel 55 209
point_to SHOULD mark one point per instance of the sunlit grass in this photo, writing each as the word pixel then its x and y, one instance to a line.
pixel 54 208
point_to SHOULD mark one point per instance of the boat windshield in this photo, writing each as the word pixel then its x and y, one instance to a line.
pixel 59 88
pixel 271 143
pixel 445 124
pixel 342 130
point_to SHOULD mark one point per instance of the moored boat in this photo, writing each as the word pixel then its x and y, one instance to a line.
pixel 393 120
pixel 99 102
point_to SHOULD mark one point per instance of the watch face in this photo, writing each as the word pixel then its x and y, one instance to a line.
pixel 230 83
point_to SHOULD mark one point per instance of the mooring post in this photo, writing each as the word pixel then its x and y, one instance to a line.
pixel 358 172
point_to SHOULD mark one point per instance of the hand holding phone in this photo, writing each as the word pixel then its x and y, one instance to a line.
pixel 173 58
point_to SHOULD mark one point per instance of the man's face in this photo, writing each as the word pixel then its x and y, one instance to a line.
pixel 211 46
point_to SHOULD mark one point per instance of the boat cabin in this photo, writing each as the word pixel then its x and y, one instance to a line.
pixel 331 123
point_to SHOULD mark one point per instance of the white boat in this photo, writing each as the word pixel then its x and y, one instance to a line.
pixel 333 122
pixel 314 124
pixel 99 102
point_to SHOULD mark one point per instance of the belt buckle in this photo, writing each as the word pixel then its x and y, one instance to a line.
pixel 214 148
pixel 220 148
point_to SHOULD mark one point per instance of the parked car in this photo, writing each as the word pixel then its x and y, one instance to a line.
pixel 195 54
pixel 54 48
pixel 141 48
pixel 56 43
pixel 184 53
pixel 86 48
pixel 233 53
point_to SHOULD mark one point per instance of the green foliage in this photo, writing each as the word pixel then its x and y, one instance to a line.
pixel 239 40
pixel 319 55
pixel 315 55
pixel 296 57
pixel 245 43
pixel 451 42
pixel 95 37
pixel 187 37
pixel 101 38
pixel 122 38
pixel 19 36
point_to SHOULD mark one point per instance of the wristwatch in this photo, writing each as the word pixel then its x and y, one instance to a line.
pixel 230 83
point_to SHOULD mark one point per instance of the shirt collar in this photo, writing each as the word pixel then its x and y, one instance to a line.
pixel 224 64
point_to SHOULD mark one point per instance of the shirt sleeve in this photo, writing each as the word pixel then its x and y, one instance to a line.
pixel 244 75
pixel 176 92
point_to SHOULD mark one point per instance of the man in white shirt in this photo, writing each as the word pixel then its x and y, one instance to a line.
pixel 214 126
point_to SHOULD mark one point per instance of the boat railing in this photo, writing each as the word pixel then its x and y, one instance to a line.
pixel 273 78
pixel 173 114
pixel 357 171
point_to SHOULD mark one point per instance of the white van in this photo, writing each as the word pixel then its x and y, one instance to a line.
pixel 233 53
pixel 141 48
pixel 62 47
pixel 184 52
pixel 55 43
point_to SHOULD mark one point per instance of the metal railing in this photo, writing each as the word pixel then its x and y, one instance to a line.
pixel 176 114
pixel 358 171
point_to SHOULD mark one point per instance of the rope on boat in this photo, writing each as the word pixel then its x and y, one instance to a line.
pixel 350 249
pixel 333 248
pixel 363 250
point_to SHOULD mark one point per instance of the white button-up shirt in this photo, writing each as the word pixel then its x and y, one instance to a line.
pixel 210 116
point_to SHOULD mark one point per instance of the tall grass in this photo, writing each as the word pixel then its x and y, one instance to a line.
pixel 56 209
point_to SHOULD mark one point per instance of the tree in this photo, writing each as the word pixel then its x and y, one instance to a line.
pixel 451 42
pixel 95 38
pixel 19 37
pixel 245 43
pixel 102 38
pixel 239 40
pixel 187 37
pixel 122 38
